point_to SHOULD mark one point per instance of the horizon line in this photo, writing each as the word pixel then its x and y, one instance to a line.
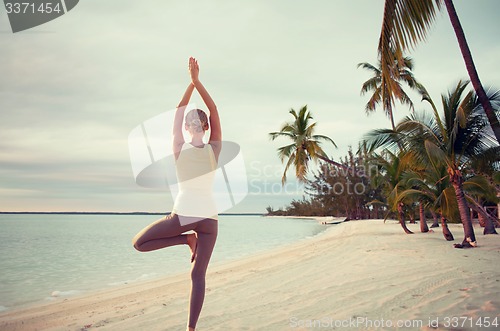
pixel 110 213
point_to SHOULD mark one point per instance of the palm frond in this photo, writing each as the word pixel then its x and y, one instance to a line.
pixel 374 100
pixel 309 130
pixel 436 155
pixel 370 85
pixel 381 138
pixel 496 177
pixel 405 100
pixel 291 160
pixel 288 127
pixel 322 137
pixel 415 195
pixel 447 202
pixel 404 24
pixel 274 135
pixel 481 187
pixel 368 66
pixel 286 151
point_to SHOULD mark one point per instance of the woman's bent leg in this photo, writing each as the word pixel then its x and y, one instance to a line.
pixel 165 232
pixel 207 235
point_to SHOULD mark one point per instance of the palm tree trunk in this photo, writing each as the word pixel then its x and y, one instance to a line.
pixel 435 223
pixel 423 224
pixel 412 218
pixel 401 215
pixel 391 116
pixel 481 220
pixel 446 231
pixel 456 180
pixel 471 68
pixel 489 225
pixel 489 228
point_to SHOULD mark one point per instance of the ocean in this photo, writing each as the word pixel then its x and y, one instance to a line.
pixel 46 257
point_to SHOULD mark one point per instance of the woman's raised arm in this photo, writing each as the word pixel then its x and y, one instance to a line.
pixel 179 117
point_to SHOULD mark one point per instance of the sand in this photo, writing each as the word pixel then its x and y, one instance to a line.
pixel 356 275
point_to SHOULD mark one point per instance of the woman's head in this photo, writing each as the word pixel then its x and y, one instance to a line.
pixel 196 121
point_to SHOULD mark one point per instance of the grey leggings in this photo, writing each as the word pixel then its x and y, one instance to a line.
pixel 166 232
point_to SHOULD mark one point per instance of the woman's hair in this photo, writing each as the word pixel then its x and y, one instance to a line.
pixel 197 119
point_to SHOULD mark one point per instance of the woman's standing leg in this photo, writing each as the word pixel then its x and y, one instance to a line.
pixel 165 232
pixel 207 235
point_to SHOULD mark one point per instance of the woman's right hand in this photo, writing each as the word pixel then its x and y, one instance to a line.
pixel 194 70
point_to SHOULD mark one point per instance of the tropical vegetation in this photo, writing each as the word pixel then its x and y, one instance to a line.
pixel 443 163
pixel 452 141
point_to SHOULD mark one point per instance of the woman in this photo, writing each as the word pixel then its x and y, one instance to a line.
pixel 194 207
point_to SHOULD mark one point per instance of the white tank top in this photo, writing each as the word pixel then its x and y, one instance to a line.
pixel 195 168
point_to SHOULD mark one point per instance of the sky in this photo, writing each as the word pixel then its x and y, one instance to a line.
pixel 71 90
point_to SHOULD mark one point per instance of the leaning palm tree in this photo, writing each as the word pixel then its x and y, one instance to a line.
pixel 415 181
pixel 476 190
pixel 405 23
pixel 390 171
pixel 305 145
pixel 487 165
pixel 384 93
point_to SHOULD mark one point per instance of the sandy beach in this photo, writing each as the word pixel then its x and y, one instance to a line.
pixel 356 275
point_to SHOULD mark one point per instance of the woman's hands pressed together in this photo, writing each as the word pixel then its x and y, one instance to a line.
pixel 194 70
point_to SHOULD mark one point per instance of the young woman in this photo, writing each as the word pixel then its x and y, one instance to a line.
pixel 194 207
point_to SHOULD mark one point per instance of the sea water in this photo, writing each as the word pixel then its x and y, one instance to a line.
pixel 48 256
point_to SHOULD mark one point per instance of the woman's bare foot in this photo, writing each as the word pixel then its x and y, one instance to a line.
pixel 192 241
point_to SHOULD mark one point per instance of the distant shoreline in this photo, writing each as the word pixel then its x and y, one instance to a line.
pixel 109 213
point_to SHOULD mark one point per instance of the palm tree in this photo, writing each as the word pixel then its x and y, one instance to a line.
pixel 415 179
pixel 487 165
pixel 391 167
pixel 476 189
pixel 404 24
pixel 383 93
pixel 305 144
pixel 431 188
